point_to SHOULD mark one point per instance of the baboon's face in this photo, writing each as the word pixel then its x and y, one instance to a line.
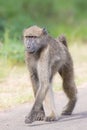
pixel 32 44
pixel 33 37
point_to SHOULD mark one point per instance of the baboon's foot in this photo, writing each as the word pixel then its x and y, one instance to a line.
pixel 69 107
pixel 35 116
pixel 65 112
pixel 52 117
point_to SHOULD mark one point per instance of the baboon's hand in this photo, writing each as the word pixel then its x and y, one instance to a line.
pixel 35 116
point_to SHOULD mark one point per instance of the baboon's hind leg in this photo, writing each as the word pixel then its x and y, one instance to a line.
pixel 69 88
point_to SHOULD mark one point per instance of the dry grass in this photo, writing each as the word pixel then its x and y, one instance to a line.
pixel 15 86
pixel 79 54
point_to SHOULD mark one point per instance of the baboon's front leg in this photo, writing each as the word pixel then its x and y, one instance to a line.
pixel 34 114
pixel 44 85
pixel 35 86
pixel 69 87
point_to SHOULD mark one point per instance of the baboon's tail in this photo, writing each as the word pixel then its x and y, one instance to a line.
pixel 62 39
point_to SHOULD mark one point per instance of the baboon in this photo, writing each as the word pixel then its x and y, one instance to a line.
pixel 45 56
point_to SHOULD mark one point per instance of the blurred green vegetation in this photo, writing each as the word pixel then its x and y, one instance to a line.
pixel 58 16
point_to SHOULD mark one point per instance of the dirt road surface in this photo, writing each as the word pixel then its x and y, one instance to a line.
pixel 13 119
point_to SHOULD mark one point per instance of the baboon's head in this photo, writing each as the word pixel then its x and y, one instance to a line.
pixel 34 39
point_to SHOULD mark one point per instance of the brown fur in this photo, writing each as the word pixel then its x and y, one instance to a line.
pixel 48 57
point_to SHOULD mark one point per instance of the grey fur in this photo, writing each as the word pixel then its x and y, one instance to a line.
pixel 48 57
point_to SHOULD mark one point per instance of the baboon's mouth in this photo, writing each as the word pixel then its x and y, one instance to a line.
pixel 30 51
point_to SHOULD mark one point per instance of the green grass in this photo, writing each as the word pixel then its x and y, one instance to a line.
pixel 12 53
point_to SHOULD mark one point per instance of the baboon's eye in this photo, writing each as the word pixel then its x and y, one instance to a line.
pixel 31 36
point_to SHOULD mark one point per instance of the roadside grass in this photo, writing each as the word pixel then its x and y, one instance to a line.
pixel 79 55
pixel 15 85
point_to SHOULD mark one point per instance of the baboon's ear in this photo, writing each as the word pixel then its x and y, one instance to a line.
pixel 45 31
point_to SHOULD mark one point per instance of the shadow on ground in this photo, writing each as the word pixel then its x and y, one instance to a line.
pixel 75 116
